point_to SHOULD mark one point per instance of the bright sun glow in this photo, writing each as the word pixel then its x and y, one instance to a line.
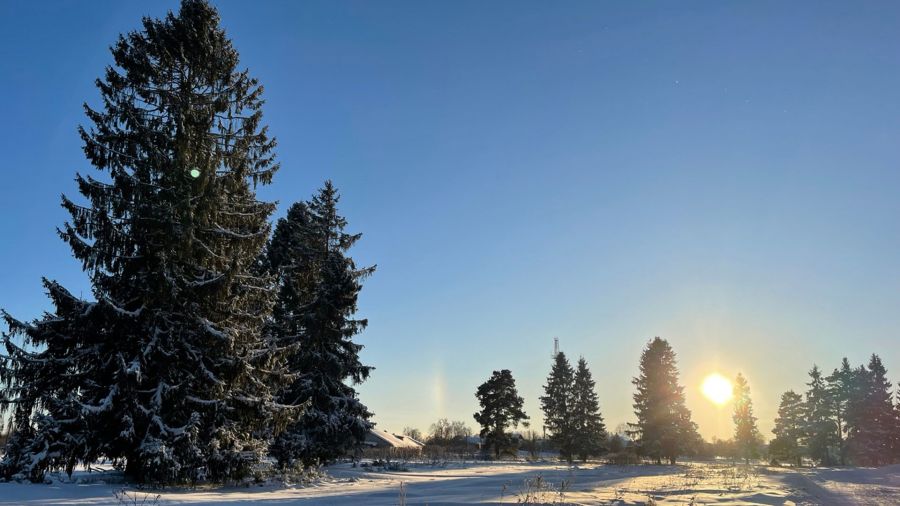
pixel 717 388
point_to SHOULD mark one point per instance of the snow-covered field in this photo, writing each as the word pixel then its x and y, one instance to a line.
pixel 509 483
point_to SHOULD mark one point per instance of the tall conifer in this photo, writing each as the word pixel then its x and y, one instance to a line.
pixel 746 435
pixel 840 387
pixel 664 428
pixel 165 371
pixel 590 431
pixel 875 422
pixel 821 429
pixel 557 404
pixel 319 285
pixel 789 429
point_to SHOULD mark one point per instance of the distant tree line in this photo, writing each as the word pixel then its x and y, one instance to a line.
pixel 849 417
pixel 663 429
pixel 445 439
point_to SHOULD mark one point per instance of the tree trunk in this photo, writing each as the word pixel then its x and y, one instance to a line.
pixel 131 469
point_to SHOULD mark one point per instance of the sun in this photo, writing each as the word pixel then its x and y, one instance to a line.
pixel 717 388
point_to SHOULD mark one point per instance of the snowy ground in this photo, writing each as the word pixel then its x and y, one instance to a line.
pixel 511 483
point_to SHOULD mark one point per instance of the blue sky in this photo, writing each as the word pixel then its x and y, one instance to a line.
pixel 721 174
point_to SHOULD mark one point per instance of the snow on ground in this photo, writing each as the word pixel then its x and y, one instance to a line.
pixel 855 485
pixel 507 483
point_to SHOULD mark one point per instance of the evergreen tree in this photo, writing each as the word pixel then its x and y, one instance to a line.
pixel 501 409
pixel 166 370
pixel 895 434
pixel 313 318
pixel 875 427
pixel 590 431
pixel 821 430
pixel 840 386
pixel 664 428
pixel 854 416
pixel 615 443
pixel 746 434
pixel 789 429
pixel 557 403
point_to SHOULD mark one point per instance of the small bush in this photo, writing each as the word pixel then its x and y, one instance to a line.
pixel 134 498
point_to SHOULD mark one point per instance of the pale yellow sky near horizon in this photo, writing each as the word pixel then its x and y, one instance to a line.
pixel 771 366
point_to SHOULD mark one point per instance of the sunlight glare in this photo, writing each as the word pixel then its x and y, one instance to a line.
pixel 717 388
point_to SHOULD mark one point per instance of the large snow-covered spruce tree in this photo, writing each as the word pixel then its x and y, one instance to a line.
pixel 165 371
pixel 314 319
pixel 664 428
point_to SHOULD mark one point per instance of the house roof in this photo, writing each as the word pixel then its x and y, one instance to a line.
pixel 394 440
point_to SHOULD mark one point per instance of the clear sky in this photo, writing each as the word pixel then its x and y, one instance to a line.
pixel 721 174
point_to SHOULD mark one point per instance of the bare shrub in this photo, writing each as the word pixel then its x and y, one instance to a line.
pixel 537 490
pixel 133 498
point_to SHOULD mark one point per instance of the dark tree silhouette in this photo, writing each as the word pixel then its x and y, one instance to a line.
pixel 841 385
pixel 874 421
pixel 821 430
pixel 590 431
pixel 558 405
pixel 664 428
pixel 501 409
pixel 746 435
pixel 789 429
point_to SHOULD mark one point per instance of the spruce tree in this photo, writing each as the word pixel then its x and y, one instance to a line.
pixel 746 435
pixel 840 387
pixel 854 417
pixel 590 431
pixel 557 403
pixel 875 422
pixel 895 434
pixel 166 370
pixel 789 429
pixel 501 410
pixel 821 431
pixel 664 428
pixel 313 318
